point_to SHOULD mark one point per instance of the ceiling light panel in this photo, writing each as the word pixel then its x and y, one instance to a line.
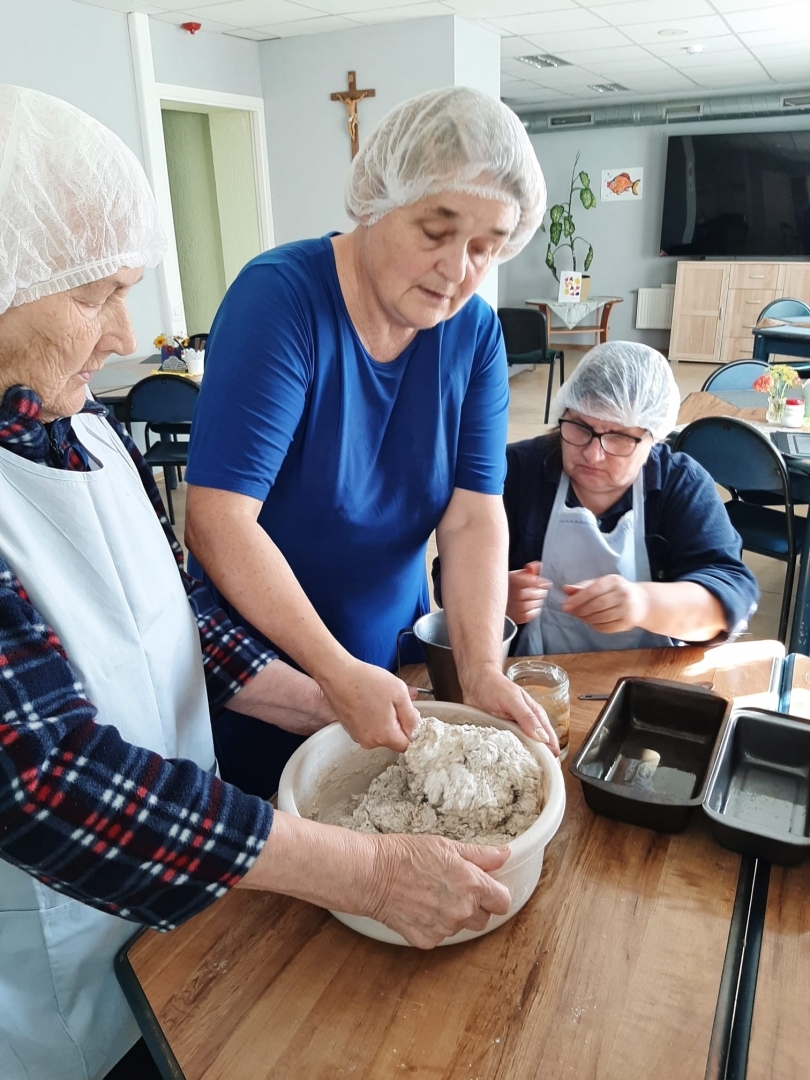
pixel 606 88
pixel 543 61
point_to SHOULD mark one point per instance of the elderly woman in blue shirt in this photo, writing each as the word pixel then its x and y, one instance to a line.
pixel 615 542
pixel 354 400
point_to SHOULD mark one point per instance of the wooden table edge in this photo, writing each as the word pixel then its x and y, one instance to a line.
pixel 152 1032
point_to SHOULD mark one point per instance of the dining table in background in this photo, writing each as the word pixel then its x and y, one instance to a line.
pixel 791 338
pixel 572 313
pixel 749 405
pixel 622 963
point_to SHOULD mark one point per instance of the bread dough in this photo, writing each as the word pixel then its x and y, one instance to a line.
pixel 470 783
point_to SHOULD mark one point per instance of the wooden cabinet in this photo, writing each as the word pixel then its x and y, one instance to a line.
pixel 717 305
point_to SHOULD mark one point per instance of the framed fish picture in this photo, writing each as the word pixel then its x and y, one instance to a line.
pixel 624 184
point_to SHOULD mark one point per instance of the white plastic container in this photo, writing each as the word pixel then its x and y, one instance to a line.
pixel 329 766
pixel 806 394
pixel 794 413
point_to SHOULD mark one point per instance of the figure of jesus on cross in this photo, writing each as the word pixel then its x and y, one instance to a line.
pixel 351 98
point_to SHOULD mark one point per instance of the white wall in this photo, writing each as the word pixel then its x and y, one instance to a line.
pixel 307 137
pixel 625 235
pixel 206 60
pixel 81 54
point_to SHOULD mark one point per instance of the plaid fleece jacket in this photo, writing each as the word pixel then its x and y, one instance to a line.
pixel 108 823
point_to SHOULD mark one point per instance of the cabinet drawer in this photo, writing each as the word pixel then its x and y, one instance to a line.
pixel 747 303
pixel 754 276
pixel 737 348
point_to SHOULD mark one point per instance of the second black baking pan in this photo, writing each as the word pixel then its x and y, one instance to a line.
pixel 758 791
pixel 647 758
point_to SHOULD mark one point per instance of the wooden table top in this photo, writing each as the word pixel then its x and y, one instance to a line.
pixel 703 403
pixel 612 967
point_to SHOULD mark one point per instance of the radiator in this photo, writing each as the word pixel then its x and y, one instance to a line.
pixel 654 308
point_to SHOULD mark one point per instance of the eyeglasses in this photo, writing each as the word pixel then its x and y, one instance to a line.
pixel 612 442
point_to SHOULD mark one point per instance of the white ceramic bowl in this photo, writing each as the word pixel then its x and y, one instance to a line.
pixel 330 758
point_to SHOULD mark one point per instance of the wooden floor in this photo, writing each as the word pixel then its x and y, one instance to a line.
pixel 526 408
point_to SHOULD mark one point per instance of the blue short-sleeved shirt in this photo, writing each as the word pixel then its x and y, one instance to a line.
pixel 354 460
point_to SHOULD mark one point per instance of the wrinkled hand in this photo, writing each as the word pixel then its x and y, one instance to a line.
pixel 527 593
pixel 610 604
pixel 373 705
pixel 428 888
pixel 493 693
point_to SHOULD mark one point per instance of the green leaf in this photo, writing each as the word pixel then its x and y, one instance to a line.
pixel 557 212
pixel 588 258
pixel 587 198
pixel 568 226
pixel 585 180
pixel 555 232
pixel 550 258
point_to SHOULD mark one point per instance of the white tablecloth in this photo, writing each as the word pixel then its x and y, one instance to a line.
pixel 573 313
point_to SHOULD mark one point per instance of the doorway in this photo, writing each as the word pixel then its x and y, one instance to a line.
pixel 209 158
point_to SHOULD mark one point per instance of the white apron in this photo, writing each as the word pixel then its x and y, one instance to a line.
pixel 575 550
pixel 93 557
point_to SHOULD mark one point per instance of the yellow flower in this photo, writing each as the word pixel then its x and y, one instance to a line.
pixel 160 341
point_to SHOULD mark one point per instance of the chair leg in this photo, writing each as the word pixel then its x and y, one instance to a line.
pixel 562 369
pixel 548 392
pixel 790 573
pixel 169 506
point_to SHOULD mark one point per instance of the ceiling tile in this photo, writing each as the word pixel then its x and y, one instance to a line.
pixel 652 82
pixel 644 11
pixel 710 58
pixel 674 48
pixel 127 5
pixel 565 78
pixel 696 29
pixel 347 7
pixel 497 9
pixel 726 6
pixel 242 13
pixel 321 24
pixel 397 14
pixel 770 17
pixel 784 35
pixel 251 35
pixel 209 25
pixel 616 68
pixel 745 76
pixel 516 46
pixel 620 52
pixel 550 21
pixel 559 43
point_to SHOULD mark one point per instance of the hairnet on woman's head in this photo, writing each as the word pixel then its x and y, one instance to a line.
pixel 75 204
pixel 456 139
pixel 625 383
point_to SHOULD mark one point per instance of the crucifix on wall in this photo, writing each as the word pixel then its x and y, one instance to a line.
pixel 351 98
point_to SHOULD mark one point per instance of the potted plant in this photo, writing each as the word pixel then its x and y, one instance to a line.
pixel 562 230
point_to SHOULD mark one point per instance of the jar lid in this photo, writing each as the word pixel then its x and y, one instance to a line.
pixel 794 401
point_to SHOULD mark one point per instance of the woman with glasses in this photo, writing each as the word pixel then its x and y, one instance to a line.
pixel 616 542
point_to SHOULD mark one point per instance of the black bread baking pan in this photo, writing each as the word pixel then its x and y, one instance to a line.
pixel 758 791
pixel 648 757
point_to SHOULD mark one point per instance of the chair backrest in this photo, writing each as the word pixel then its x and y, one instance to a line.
pixel 786 308
pixel 524 331
pixel 737 455
pixel 738 375
pixel 161 399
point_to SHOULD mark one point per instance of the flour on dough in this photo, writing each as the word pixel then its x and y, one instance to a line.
pixel 469 783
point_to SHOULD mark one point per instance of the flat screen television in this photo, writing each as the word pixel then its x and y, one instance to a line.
pixel 738 194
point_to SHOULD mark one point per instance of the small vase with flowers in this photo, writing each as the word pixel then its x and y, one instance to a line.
pixel 777 383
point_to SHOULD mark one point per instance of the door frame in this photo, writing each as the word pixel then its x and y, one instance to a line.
pixel 151 97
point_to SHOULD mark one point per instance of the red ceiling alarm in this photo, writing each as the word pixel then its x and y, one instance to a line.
pixel 192 27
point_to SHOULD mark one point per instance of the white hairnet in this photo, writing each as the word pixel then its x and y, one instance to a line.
pixel 75 204
pixel 625 383
pixel 456 139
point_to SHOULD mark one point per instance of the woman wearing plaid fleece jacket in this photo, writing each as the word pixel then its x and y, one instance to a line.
pixel 111 813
